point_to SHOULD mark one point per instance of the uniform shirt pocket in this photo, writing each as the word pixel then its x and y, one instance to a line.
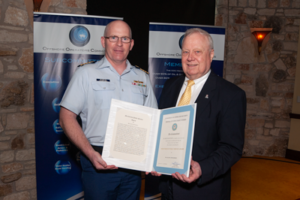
pixel 138 95
pixel 103 93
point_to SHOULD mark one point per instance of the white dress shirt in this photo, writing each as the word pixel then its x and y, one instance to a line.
pixel 196 88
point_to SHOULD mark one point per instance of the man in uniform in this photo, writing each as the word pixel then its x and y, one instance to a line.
pixel 89 95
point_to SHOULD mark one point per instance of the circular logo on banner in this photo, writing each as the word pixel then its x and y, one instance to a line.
pixel 79 36
pixel 55 105
pixel 61 147
pixel 57 128
pixel 180 41
pixel 174 126
pixel 62 167
pixel 51 83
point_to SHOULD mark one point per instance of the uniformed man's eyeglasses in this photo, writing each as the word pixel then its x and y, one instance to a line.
pixel 116 38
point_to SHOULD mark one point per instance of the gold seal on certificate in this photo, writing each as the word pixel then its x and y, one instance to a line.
pixel 147 139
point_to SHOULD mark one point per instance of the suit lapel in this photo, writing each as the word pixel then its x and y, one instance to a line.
pixel 206 93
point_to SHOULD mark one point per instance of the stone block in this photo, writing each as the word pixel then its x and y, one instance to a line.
pixel 269 125
pixel 277 102
pixel 253 142
pixel 255 123
pixel 280 65
pixel 252 3
pixel 12 167
pixel 246 52
pixel 247 80
pixel 292 72
pixel 30 138
pixel 16 17
pixel 272 3
pixel 30 165
pixel 1 128
pixel 27 109
pixel 18 142
pixel 6 156
pixel 249 133
pixel 25 155
pixel 11 178
pixel 4 138
pixel 18 196
pixel 29 172
pixel 5 190
pixel 4 146
pixel 292 12
pixel 273 57
pixel 26 60
pixel 275 132
pixel 12 67
pixel 242 3
pixel 15 75
pixel 290 28
pixel 33 194
pixel 296 22
pixel 250 11
pixel 267 12
pixel 282 88
pixel 264 104
pixel 277 36
pixel 232 2
pixel 249 89
pixel 282 124
pixel 261 85
pixel 17 121
pixel 243 67
pixel 234 12
pixel 262 67
pixel 241 19
pixel 1 67
pixel 291 36
pixel 296 4
pixel 266 131
pixel 232 45
pixel 12 37
pixel 10 132
pixel 26 183
pixel 284 3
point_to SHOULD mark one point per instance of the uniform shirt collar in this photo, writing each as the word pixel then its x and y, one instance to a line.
pixel 104 63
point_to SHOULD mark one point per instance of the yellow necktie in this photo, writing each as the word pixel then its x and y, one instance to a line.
pixel 186 97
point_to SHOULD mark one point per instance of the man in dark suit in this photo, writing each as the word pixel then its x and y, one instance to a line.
pixel 219 125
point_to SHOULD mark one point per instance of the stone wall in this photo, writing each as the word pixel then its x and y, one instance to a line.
pixel 267 78
pixel 17 144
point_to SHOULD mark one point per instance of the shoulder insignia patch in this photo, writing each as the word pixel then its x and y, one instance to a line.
pixel 141 69
pixel 93 61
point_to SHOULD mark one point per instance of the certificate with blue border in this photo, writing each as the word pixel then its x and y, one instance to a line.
pixel 147 139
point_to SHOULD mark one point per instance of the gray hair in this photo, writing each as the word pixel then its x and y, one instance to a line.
pixel 202 32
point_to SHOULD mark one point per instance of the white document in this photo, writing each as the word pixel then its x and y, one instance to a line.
pixel 147 139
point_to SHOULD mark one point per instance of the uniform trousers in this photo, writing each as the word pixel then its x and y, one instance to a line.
pixel 120 184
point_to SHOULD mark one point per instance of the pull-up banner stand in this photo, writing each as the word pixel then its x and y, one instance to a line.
pixel 165 42
pixel 61 43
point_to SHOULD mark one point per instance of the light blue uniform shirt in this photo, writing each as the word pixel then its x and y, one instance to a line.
pixel 92 87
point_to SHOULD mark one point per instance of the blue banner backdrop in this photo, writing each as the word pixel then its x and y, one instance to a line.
pixel 165 51
pixel 61 43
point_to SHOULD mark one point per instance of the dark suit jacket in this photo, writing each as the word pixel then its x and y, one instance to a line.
pixel 218 137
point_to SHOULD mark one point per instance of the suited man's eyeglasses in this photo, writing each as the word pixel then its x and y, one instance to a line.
pixel 116 38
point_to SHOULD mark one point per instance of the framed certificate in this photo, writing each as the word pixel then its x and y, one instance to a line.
pixel 147 139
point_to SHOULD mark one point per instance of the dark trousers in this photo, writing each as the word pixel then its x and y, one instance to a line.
pixel 121 184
